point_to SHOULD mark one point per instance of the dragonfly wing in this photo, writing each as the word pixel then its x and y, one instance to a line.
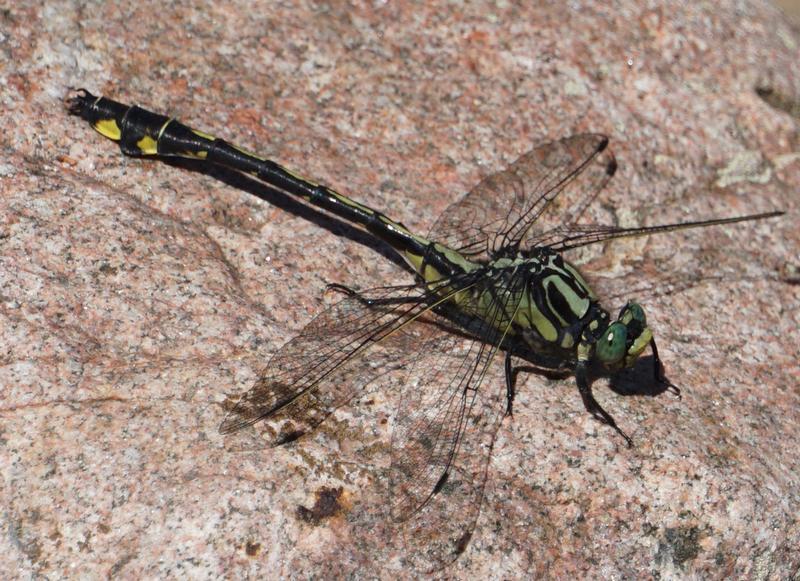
pixel 664 270
pixel 305 377
pixel 500 212
pixel 570 235
pixel 443 435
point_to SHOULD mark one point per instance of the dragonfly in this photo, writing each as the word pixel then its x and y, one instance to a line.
pixel 491 284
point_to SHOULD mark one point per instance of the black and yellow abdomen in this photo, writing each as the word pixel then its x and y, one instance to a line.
pixel 142 133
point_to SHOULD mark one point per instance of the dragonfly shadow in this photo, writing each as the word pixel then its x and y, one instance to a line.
pixel 285 202
pixel 638 380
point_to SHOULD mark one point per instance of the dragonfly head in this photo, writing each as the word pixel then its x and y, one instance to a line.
pixel 624 339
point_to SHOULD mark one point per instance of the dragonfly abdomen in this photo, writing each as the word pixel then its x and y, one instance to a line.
pixel 143 133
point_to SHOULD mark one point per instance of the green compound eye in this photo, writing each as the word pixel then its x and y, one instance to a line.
pixel 638 334
pixel 632 312
pixel 611 348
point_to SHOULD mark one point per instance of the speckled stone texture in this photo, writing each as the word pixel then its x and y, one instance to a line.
pixel 138 299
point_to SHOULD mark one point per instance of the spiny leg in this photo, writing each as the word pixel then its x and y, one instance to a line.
pixel 658 371
pixel 340 288
pixel 350 292
pixel 510 379
pixel 590 403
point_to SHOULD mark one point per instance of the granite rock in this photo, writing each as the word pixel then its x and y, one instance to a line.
pixel 138 298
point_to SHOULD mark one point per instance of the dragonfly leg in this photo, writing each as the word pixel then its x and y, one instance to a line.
pixel 590 403
pixel 346 290
pixel 340 288
pixel 658 370
pixel 510 372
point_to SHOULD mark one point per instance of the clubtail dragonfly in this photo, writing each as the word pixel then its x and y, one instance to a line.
pixel 490 279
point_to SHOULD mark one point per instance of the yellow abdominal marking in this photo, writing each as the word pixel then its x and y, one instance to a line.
pixel 147 145
pixel 108 128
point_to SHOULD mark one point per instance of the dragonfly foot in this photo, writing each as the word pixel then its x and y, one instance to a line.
pixel 674 389
pixel 594 408
pixel 511 374
pixel 604 417
pixel 658 369
pixel 340 288
pixel 662 379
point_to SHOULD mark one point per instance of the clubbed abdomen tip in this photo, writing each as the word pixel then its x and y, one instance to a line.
pixel 79 102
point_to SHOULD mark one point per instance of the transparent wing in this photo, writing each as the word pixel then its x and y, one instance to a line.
pixel 662 270
pixel 306 372
pixel 570 235
pixel 497 216
pixel 445 429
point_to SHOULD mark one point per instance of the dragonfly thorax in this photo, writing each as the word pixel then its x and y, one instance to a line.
pixel 560 310
pixel 557 303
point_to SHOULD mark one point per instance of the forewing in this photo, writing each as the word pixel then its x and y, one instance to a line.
pixel 570 235
pixel 646 272
pixel 307 372
pixel 497 216
pixel 444 431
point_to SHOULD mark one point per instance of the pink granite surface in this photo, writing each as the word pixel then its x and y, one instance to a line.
pixel 138 299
